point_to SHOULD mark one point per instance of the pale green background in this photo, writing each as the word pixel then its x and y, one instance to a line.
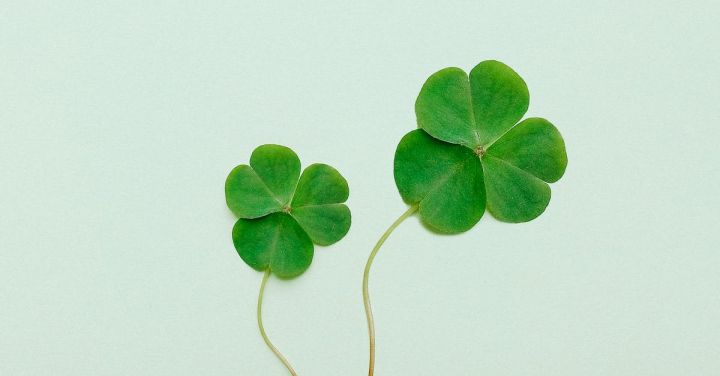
pixel 119 123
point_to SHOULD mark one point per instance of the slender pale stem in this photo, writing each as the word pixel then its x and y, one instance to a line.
pixel 366 275
pixel 262 328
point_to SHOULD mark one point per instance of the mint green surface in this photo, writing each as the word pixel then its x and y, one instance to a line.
pixel 120 120
pixel 288 211
pixel 495 157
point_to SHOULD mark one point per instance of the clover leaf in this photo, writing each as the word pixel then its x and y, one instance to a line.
pixel 282 212
pixel 471 153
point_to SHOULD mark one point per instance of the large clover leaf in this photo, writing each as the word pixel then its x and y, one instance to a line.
pixel 469 152
pixel 282 213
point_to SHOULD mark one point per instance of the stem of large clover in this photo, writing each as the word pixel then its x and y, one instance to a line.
pixel 366 276
pixel 262 328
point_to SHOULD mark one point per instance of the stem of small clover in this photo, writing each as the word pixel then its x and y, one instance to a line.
pixel 262 328
pixel 366 276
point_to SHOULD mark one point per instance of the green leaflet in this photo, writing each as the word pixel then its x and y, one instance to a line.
pixel 472 111
pixel 444 108
pixel 282 213
pixel 535 146
pixel 513 195
pixel 279 168
pixel 317 204
pixel 247 195
pixel 275 241
pixel 445 180
pixel 320 184
pixel 325 224
pixel 500 99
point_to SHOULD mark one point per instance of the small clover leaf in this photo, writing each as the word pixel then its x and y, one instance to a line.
pixel 469 152
pixel 282 213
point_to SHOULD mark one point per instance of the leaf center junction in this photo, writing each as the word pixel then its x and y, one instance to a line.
pixel 479 151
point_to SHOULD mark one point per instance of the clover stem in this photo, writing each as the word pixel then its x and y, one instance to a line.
pixel 366 276
pixel 262 328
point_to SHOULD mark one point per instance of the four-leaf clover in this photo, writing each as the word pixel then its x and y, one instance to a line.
pixel 282 213
pixel 470 151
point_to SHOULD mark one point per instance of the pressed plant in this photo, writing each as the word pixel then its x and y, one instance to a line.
pixel 470 153
pixel 282 214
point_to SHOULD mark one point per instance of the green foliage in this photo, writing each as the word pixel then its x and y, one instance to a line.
pixel 469 152
pixel 282 213
pixel 440 176
pixel 275 241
